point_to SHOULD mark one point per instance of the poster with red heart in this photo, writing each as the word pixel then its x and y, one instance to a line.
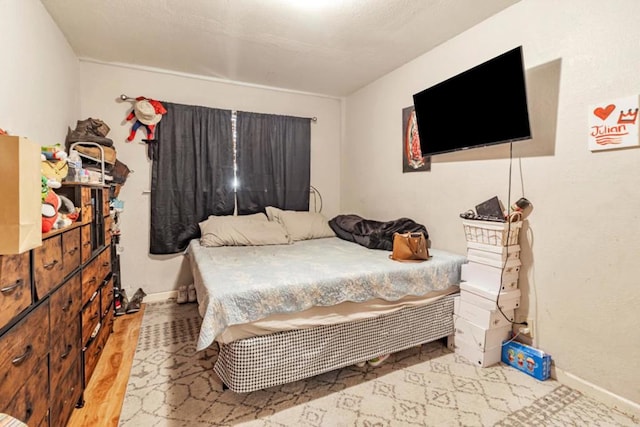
pixel 614 124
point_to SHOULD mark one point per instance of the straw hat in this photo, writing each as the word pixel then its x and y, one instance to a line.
pixel 145 112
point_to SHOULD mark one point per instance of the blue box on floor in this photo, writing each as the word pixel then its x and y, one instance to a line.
pixel 527 359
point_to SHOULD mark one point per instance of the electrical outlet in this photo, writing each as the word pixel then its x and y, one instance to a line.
pixel 530 327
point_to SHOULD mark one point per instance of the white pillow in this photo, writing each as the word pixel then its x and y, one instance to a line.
pixel 232 219
pixel 301 225
pixel 242 230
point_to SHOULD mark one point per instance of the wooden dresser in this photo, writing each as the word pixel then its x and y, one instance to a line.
pixel 56 313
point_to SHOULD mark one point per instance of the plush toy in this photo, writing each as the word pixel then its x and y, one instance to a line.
pixel 50 207
pixel 146 113
pixel 62 222
pixel 57 212
pixel 54 170
pixel 44 187
pixel 54 152
pixel 68 210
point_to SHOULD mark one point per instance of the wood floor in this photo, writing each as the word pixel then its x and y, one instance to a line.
pixel 105 392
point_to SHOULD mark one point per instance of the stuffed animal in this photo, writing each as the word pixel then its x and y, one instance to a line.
pixel 50 207
pixel 44 187
pixel 146 113
pixel 54 170
pixel 67 211
pixel 57 212
pixel 54 152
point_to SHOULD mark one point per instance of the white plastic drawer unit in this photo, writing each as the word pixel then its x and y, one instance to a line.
pixel 478 295
pixel 490 278
pixel 498 254
pixel 474 354
pixel 486 319
pixel 511 265
pixel 480 338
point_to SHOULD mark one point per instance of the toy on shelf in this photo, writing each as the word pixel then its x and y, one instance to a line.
pixel 146 113
pixel 54 170
pixel 54 152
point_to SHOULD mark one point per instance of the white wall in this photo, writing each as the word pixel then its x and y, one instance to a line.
pixel 582 239
pixel 102 84
pixel 38 74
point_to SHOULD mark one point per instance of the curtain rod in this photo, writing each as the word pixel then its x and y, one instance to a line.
pixel 124 97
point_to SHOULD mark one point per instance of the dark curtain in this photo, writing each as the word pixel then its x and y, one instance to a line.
pixel 191 174
pixel 273 155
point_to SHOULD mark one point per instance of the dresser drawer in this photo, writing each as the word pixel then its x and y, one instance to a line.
pixel 108 223
pixel 66 395
pixel 15 286
pixel 71 255
pixel 95 349
pixel 108 323
pixel 91 279
pixel 65 305
pixel 86 208
pixel 92 354
pixel 105 263
pixel 30 401
pixel 106 298
pixel 48 265
pixel 106 210
pixel 21 349
pixel 90 318
pixel 65 351
pixel 85 241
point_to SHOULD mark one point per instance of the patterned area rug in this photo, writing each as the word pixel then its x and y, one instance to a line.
pixel 172 385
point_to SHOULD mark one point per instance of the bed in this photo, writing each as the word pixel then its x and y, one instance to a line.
pixel 281 313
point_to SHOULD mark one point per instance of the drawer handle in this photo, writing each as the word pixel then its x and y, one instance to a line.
pixel 18 360
pixel 96 314
pixel 68 305
pixel 106 264
pixel 98 350
pixel 9 288
pixel 51 264
pixel 73 251
pixel 86 244
pixel 28 412
pixel 93 280
pixel 66 353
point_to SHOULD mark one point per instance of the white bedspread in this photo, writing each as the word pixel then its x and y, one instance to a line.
pixel 241 284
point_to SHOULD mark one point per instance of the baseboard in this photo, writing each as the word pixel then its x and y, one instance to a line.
pixel 161 296
pixel 626 406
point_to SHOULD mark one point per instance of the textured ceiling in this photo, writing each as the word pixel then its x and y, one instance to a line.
pixel 332 50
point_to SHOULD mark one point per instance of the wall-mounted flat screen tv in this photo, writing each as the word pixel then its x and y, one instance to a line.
pixel 482 106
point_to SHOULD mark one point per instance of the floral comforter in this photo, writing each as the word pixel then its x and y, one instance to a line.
pixel 241 284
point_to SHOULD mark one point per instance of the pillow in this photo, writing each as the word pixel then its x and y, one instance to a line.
pixel 232 219
pixel 301 225
pixel 244 230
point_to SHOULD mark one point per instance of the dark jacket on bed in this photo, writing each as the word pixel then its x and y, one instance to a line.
pixel 373 234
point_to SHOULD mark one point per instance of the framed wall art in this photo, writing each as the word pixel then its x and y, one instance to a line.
pixel 412 158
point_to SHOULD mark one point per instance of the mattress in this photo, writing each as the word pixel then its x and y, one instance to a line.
pixel 240 285
pixel 324 316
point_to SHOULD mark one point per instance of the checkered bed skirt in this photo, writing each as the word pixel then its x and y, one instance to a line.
pixel 265 361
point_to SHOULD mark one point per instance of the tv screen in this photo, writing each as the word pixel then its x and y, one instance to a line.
pixel 484 105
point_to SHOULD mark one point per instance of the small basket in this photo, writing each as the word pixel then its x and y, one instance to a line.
pixel 492 233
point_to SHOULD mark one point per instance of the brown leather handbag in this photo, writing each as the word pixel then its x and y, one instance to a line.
pixel 409 247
